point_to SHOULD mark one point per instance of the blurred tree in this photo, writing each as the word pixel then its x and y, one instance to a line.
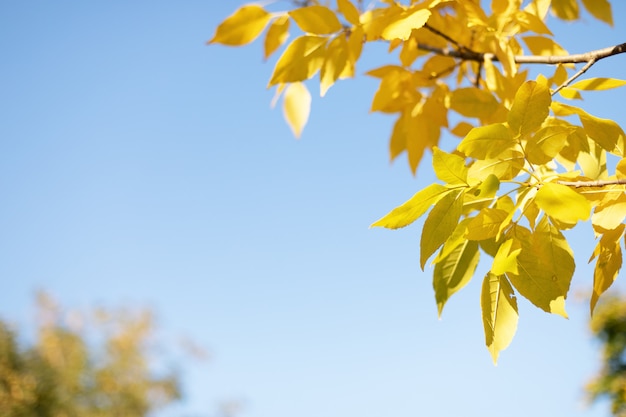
pixel 609 327
pixel 71 372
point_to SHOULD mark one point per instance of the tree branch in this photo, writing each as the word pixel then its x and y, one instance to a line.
pixel 598 183
pixel 468 55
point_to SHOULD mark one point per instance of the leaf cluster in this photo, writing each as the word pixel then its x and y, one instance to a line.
pixel 530 164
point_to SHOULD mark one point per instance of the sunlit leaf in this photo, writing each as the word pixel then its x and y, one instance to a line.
pixel 598 84
pixel 454 272
pixel 544 145
pixel 349 11
pixel 319 20
pixel 505 167
pixel 449 168
pixel 402 27
pixel 506 257
pixel 543 46
pixel 440 223
pixel 296 107
pixel 604 132
pixel 414 208
pixel 499 312
pixel 473 102
pixel 487 141
pixel 485 224
pixel 300 61
pixel 276 35
pixel 242 27
pixel 566 9
pixel 531 107
pixel 531 22
pixel 545 267
pixel 335 62
pixel 608 252
pixel 562 203
pixel 600 9
pixel 610 215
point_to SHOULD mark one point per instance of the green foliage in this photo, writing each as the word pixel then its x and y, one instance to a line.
pixel 65 373
pixel 529 164
pixel 609 327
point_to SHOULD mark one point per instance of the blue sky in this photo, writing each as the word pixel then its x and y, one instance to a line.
pixel 139 166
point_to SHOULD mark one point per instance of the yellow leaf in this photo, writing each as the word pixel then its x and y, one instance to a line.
pixel 412 209
pixel 609 254
pixel 545 265
pixel 392 94
pixel 570 93
pixel 486 224
pixel 530 21
pixel 544 46
pixel 300 61
pixel 449 168
pixel 598 84
pixel 506 257
pixel 562 203
pixel 604 132
pixel 473 102
pixel 440 223
pixel 319 20
pixel 487 141
pixel 544 145
pixel 456 238
pixel 620 169
pixel 421 134
pixel 349 11
pixel 600 9
pixel 276 35
pixel 454 272
pixel 530 107
pixel 296 107
pixel 402 27
pixel 565 9
pixel 610 215
pixel 499 312
pixel 242 27
pixel 461 129
pixel 505 167
pixel 335 62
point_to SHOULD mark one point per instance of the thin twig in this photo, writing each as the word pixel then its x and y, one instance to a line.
pixel 598 183
pixel 578 74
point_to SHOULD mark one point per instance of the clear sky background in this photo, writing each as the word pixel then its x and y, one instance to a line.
pixel 140 167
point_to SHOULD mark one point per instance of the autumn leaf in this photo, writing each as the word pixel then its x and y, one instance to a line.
pixel 454 272
pixel 408 21
pixel 440 223
pixel 449 168
pixel 318 20
pixel 562 203
pixel 296 107
pixel 414 208
pixel 276 36
pixel 301 60
pixel 487 141
pixel 530 107
pixel 608 252
pixel 242 27
pixel 500 314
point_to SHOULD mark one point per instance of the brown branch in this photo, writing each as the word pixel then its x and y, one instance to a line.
pixel 598 183
pixel 469 55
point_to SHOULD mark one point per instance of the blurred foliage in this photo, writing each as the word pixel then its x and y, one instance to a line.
pixel 609 327
pixel 83 365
